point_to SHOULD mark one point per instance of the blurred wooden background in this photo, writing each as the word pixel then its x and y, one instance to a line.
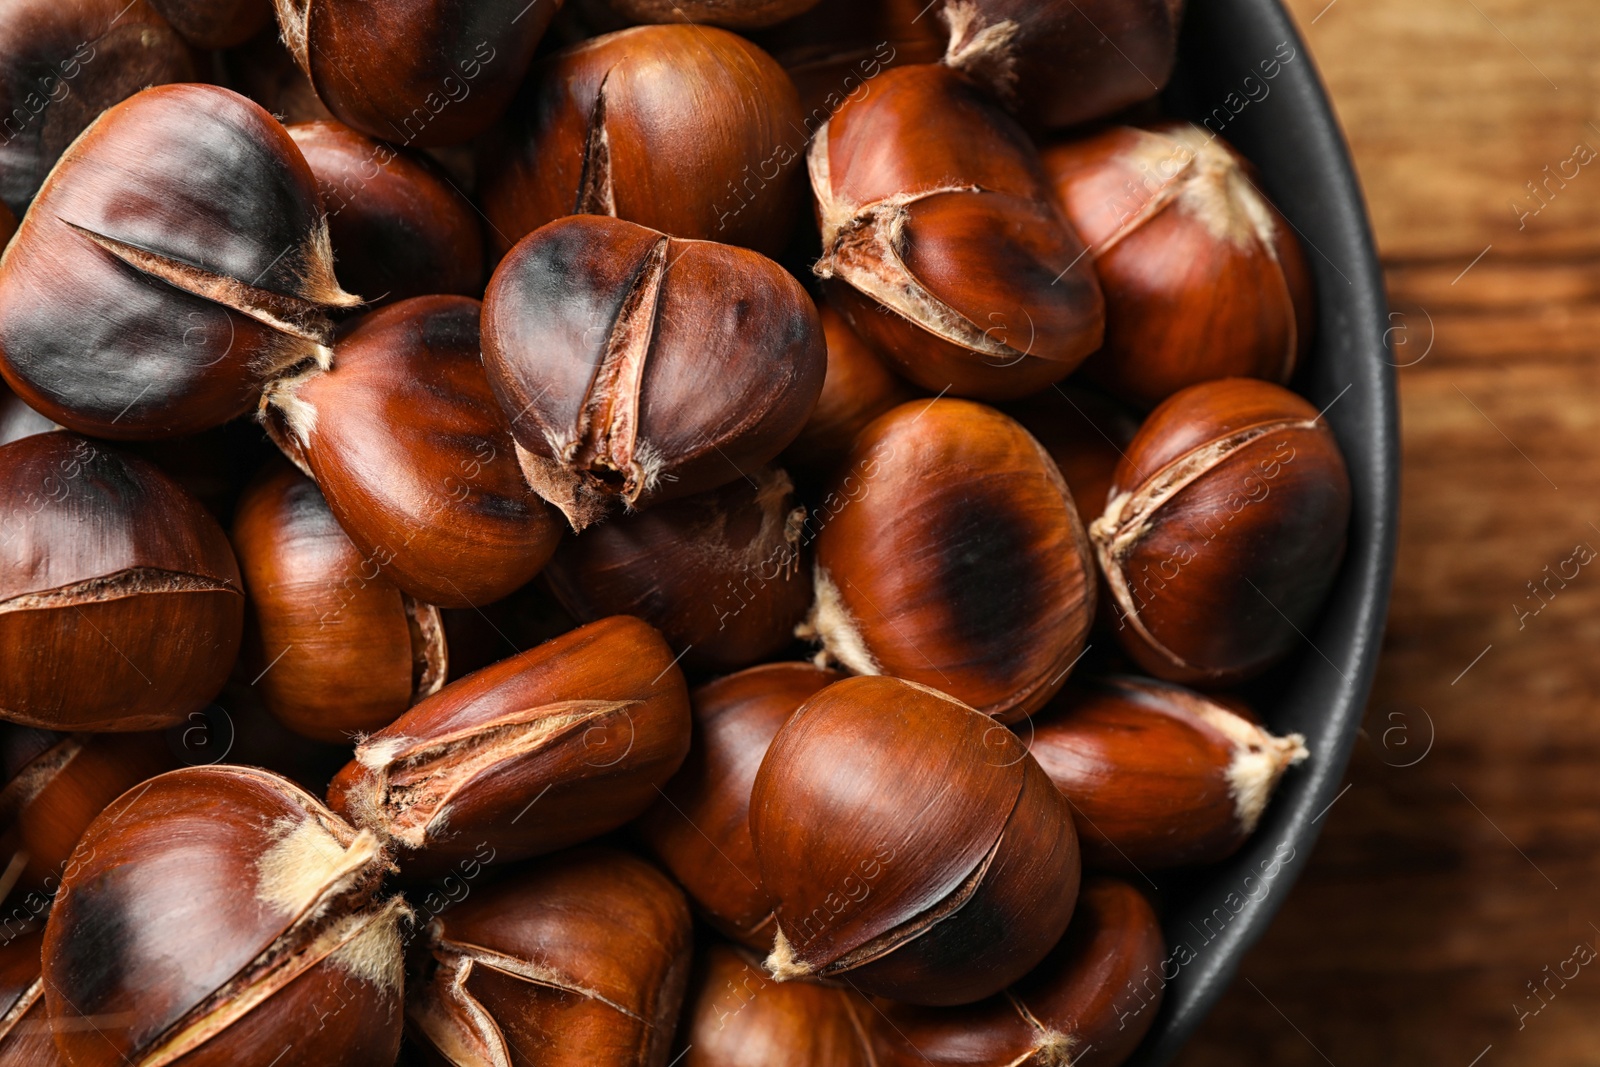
pixel 1449 893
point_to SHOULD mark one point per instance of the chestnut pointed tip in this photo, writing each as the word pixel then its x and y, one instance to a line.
pixel 832 624
pixel 782 962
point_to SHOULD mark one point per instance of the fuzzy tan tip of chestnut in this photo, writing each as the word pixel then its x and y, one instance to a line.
pixel 783 964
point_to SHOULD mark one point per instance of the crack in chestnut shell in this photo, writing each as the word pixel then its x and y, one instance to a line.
pixel 1087 1004
pixel 175 259
pixel 207 897
pixel 958 561
pixel 910 843
pixel 120 600
pixel 404 438
pixel 1167 212
pixel 637 368
pixel 689 130
pixel 942 243
pixel 424 74
pixel 700 827
pixel 1224 532
pixel 1159 776
pixel 588 952
pixel 551 747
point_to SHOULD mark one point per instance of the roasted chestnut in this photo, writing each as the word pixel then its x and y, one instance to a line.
pixel 858 388
pixel 120 601
pixel 1203 278
pixel 700 828
pixel 721 574
pixel 424 73
pixel 738 1017
pixel 952 555
pixel 636 368
pixel 584 728
pixel 1085 432
pixel 1062 62
pixel 63 62
pixel 942 244
pixel 339 650
pixel 216 23
pixel 1089 1003
pixel 206 916
pixel 689 130
pixel 176 258
pixel 55 784
pixel 405 440
pixel 25 1039
pixel 580 960
pixel 1158 775
pixel 399 226
pixel 910 844
pixel 1225 528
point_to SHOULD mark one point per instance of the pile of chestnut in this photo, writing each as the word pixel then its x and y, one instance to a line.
pixel 721 532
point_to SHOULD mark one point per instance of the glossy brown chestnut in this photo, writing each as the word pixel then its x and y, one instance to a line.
pixel 560 744
pixel 954 558
pixel 1086 433
pixel 63 62
pixel 836 48
pixel 1158 775
pixel 636 368
pixel 216 23
pixel 857 389
pixel 1088 1004
pixel 263 70
pixel 1224 531
pixel 700 828
pixel 722 574
pixel 1203 278
pixel 399 226
pixel 405 440
pixel 55 785
pixel 425 73
pixel 1062 62
pixel 580 960
pixel 942 244
pixel 337 649
pixel 120 601
pixel 738 1017
pixel 734 14
pixel 910 844
pixel 176 258
pixel 206 917
pixel 25 1039
pixel 689 130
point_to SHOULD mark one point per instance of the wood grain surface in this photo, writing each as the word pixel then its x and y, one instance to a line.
pixel 1441 917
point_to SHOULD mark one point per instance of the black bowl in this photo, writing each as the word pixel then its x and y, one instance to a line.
pixel 1284 125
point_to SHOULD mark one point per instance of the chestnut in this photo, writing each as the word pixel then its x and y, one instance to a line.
pixel 263 70
pixel 216 23
pixel 63 62
pixel 942 244
pixel 735 15
pixel 856 389
pixel 25 1039
pixel 337 650
pixel 1203 278
pixel 1088 1004
pixel 399 226
pixel 720 574
pixel 910 845
pixel 1224 531
pixel 207 915
pixel 636 368
pixel 120 600
pixel 1086 432
pixel 585 727
pixel 582 959
pixel 834 49
pixel 1158 775
pixel 689 130
pixel 55 785
pixel 954 558
pixel 738 1017
pixel 405 440
pixel 423 74
pixel 176 258
pixel 1062 62
pixel 700 828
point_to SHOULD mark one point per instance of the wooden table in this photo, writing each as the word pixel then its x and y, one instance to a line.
pixel 1444 892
